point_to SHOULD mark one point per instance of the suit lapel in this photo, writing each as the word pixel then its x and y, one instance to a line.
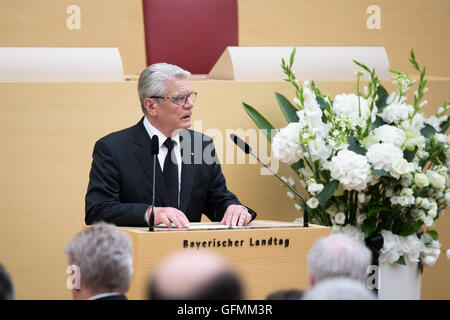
pixel 145 159
pixel 187 170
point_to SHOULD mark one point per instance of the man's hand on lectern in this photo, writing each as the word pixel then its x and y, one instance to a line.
pixel 169 215
pixel 236 215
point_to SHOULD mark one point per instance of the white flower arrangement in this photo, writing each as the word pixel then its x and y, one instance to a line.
pixel 371 163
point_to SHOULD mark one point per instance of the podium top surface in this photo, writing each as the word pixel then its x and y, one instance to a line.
pixel 203 226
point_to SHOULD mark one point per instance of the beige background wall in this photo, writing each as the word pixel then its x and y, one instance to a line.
pixel 405 24
pixel 103 23
pixel 47 132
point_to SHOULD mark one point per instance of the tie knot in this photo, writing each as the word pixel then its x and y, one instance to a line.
pixel 169 143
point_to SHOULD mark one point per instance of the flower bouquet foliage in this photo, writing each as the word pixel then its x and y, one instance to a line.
pixel 371 163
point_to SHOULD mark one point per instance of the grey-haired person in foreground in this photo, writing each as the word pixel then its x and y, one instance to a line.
pixel 103 259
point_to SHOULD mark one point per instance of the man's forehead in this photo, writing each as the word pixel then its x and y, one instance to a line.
pixel 178 86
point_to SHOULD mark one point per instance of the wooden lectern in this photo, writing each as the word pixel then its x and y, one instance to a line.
pixel 268 255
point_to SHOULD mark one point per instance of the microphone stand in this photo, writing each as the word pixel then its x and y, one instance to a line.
pixel 154 151
pixel 246 148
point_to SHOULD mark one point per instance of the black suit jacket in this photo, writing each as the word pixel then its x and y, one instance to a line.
pixel 121 177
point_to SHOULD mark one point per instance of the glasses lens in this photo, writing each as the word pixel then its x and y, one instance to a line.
pixel 193 96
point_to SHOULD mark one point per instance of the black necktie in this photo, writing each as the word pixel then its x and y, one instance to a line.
pixel 170 173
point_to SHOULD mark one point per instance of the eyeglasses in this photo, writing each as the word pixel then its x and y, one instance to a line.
pixel 180 100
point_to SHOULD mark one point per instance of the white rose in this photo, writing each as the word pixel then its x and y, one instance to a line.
pixel 429 261
pixel 318 149
pixel 396 112
pixel 350 169
pixel 428 221
pixel 421 180
pixel 447 198
pixel 432 213
pixel 411 247
pixel 441 138
pixel 315 188
pixel 390 134
pixel 348 105
pixel 382 155
pixel 405 201
pixel 339 218
pixel 399 167
pixel 313 202
pixel 447 253
pixel 435 122
pixel 390 252
pixel 436 180
pixel 286 144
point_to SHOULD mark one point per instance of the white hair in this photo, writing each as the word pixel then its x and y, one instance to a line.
pixel 338 256
pixel 339 289
pixel 104 256
pixel 152 81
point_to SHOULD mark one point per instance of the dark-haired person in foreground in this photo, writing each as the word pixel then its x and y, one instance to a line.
pixel 6 285
pixel 189 179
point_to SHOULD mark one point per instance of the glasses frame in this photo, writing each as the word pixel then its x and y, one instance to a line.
pixel 192 96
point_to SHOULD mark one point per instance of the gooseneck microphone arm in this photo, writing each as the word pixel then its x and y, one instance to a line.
pixel 248 150
pixel 154 150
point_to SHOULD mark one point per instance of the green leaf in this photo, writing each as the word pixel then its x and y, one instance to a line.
pixel 369 226
pixel 328 192
pixel 378 122
pixel 289 110
pixel 362 65
pixel 355 146
pixel 401 261
pixel 260 121
pixel 382 98
pixel 291 60
pixel 381 173
pixel 427 131
pixel 445 125
pixel 410 154
pixel 373 211
pixel 433 234
pixel 298 165
pixel 322 104
pixel 408 230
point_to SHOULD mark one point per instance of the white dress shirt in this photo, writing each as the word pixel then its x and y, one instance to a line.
pixel 151 130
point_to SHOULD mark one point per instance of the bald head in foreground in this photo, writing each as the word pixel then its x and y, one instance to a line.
pixel 194 275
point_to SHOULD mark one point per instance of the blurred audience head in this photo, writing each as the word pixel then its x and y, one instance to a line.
pixel 6 285
pixel 194 275
pixel 291 294
pixel 338 256
pixel 339 289
pixel 104 258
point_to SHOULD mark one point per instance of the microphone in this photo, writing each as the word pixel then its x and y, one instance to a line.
pixel 248 150
pixel 154 150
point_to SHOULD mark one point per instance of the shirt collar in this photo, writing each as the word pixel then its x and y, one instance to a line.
pixel 103 295
pixel 152 130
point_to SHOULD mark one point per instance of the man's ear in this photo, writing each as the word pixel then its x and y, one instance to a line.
pixel 150 106
pixel 311 281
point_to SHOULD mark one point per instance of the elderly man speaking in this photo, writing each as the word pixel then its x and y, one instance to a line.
pixel 121 178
